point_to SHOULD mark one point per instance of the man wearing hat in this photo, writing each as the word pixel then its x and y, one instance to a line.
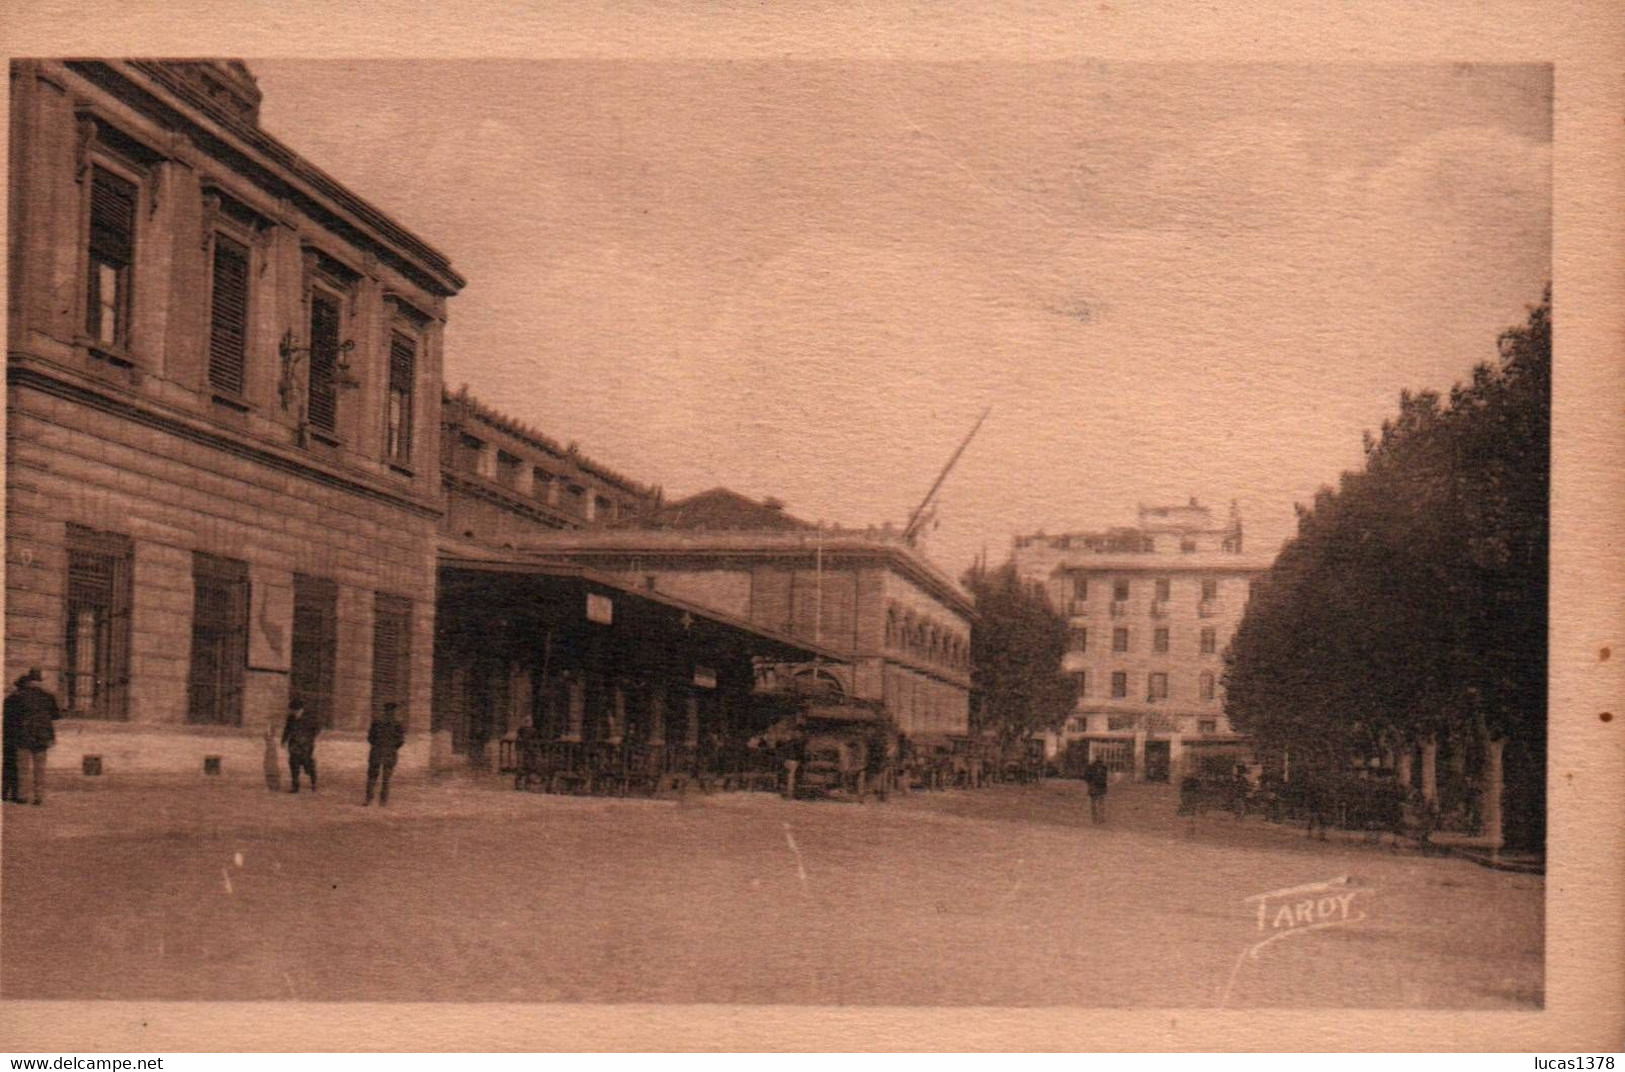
pixel 299 738
pixel 30 717
pixel 384 739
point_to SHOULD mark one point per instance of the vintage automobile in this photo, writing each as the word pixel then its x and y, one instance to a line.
pixel 844 752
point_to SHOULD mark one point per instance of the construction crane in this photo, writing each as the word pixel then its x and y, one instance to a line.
pixel 912 529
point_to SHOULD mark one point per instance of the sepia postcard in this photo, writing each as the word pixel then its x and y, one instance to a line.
pixel 698 528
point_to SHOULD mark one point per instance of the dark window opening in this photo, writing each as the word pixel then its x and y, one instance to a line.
pixel 96 675
pixel 403 356
pixel 391 652
pixel 219 640
pixel 112 251
pixel 228 316
pixel 323 405
pixel 315 645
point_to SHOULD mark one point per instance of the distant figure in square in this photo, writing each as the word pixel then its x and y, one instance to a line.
pixel 299 738
pixel 30 717
pixel 384 739
pixel 1097 777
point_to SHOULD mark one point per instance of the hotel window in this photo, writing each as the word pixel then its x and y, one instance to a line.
pixel 1080 683
pixel 576 500
pixel 1156 687
pixel 219 640
pixel 1120 723
pixel 1120 591
pixel 1080 588
pixel 1210 641
pixel 542 484
pixel 322 397
pixel 96 673
pixel 315 644
pixel 1207 685
pixel 1120 639
pixel 468 454
pixel 391 651
pixel 507 470
pixel 112 252
pixel 1207 727
pixel 228 316
pixel 1159 640
pixel 1119 684
pixel 1210 590
pixel 1163 586
pixel 403 364
pixel 603 509
pixel 1078 640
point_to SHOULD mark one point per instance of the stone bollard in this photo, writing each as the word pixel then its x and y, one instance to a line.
pixel 790 766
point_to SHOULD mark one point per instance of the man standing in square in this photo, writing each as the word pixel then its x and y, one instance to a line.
pixel 31 713
pixel 299 738
pixel 384 739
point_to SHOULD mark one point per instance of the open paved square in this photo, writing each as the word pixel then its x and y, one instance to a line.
pixel 464 891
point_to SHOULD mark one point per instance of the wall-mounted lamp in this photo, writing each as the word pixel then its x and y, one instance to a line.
pixel 289 386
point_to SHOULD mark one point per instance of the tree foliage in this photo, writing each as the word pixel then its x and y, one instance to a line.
pixel 1016 649
pixel 1412 602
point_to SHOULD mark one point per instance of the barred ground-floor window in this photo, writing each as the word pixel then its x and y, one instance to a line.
pixel 96 640
pixel 219 640
pixel 315 645
pixel 391 652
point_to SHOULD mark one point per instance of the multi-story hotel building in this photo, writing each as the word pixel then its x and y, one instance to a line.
pixel 1151 610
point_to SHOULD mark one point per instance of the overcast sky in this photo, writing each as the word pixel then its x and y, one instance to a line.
pixel 806 280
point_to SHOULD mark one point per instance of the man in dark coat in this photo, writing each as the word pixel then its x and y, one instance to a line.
pixel 384 739
pixel 11 790
pixel 1097 777
pixel 33 713
pixel 299 738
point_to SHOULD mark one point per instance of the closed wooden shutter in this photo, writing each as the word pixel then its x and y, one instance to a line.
pixel 112 217
pixel 324 355
pixel 228 316
pixel 402 371
pixel 391 651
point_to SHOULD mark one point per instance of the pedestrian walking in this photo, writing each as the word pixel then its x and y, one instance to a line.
pixel 33 712
pixel 1097 777
pixel 384 739
pixel 299 738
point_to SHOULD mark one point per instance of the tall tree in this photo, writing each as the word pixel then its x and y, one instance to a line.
pixel 1412 603
pixel 1016 649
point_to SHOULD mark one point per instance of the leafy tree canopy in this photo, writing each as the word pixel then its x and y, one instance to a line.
pixel 1016 649
pixel 1412 601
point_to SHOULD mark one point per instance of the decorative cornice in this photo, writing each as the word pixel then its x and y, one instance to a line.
pixel 22 372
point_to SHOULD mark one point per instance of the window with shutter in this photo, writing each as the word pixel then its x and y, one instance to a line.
pixel 96 644
pixel 219 640
pixel 402 371
pixel 323 395
pixel 315 644
pixel 391 651
pixel 112 250
pixel 228 316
